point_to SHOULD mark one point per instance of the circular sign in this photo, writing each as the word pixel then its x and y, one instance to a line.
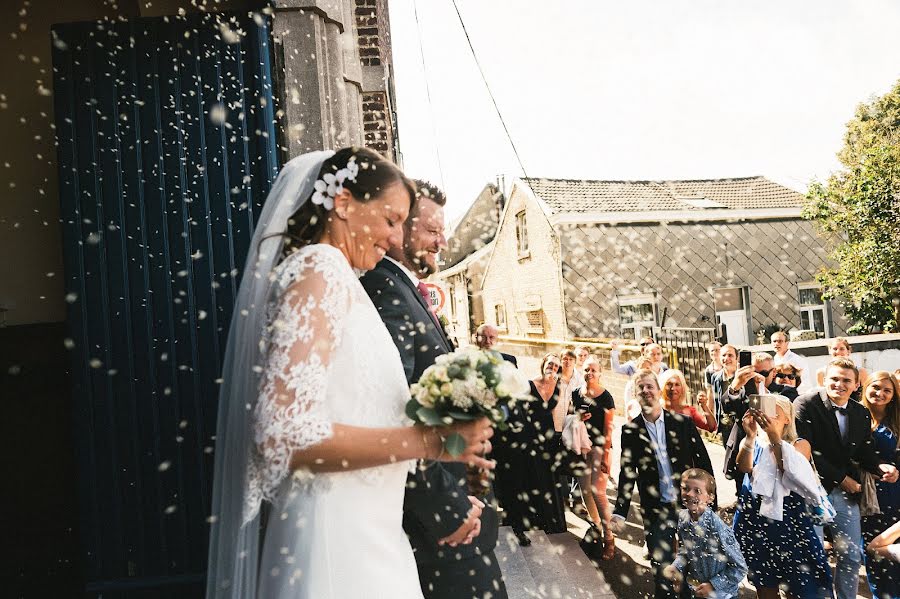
pixel 437 296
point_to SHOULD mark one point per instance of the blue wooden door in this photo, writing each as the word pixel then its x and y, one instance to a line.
pixel 166 152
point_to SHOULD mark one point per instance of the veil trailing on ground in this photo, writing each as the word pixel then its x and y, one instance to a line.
pixel 234 520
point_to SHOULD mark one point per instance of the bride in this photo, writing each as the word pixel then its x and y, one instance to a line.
pixel 311 411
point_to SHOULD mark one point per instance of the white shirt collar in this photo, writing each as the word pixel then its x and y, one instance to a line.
pixel 413 278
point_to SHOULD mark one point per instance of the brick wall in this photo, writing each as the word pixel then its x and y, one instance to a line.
pixel 373 42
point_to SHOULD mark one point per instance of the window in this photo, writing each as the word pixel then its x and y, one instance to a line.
pixel 500 316
pixel 813 310
pixel 535 321
pixel 637 315
pixel 521 234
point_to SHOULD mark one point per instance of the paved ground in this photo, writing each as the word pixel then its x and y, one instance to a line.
pixel 628 574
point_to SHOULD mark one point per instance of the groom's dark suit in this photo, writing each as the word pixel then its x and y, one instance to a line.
pixel 436 501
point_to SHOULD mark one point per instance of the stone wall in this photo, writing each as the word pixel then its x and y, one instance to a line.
pixel 523 282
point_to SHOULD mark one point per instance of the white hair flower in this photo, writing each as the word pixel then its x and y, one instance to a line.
pixel 331 185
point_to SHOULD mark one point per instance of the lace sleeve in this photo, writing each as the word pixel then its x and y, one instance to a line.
pixel 304 330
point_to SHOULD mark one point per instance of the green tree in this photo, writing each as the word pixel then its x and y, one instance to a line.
pixel 858 212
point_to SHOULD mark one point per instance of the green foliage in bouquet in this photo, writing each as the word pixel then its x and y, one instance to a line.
pixel 465 385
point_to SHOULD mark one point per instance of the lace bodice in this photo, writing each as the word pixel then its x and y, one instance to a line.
pixel 327 358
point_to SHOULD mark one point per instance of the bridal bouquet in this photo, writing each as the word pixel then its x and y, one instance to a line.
pixel 465 385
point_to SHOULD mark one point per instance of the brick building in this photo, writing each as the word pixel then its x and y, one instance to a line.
pixel 580 259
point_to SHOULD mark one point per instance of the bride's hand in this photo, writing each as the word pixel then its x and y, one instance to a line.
pixel 476 434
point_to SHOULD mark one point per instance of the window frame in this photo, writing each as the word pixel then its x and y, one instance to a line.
pixel 500 316
pixel 810 309
pixel 522 248
pixel 637 328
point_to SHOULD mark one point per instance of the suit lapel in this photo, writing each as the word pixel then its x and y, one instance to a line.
pixel 404 279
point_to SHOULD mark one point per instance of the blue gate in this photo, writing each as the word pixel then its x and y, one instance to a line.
pixel 166 152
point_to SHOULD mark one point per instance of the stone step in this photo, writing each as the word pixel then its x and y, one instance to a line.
pixel 584 580
pixel 511 557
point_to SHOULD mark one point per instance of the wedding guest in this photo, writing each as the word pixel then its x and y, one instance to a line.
pixel 657 447
pixel 778 540
pixel 839 347
pixel 569 380
pixel 715 364
pixel 677 397
pixel 282 413
pixel 594 402
pixel 787 379
pixel 720 382
pixel 885 545
pixel 881 396
pixel 583 353
pixel 632 407
pixel 783 354
pixel 649 350
pixel 545 504
pixel 486 336
pixel 708 553
pixel 840 433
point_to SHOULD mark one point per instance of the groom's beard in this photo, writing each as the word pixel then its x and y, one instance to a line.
pixel 418 265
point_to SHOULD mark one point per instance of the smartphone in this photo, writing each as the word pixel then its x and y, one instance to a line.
pixel 764 404
pixel 745 358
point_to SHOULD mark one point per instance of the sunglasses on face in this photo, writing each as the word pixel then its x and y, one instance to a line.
pixel 782 375
pixel 766 373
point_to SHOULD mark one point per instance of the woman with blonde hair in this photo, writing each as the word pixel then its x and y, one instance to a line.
pixel 597 409
pixel 881 395
pixel 775 532
pixel 677 399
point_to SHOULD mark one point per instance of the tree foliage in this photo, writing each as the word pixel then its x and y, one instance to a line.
pixel 858 211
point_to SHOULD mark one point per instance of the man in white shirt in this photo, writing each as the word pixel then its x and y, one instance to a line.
pixel 657 446
pixel 649 350
pixel 783 355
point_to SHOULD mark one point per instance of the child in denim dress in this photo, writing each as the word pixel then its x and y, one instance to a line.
pixel 709 557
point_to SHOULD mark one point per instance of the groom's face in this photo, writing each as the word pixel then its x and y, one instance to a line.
pixel 424 238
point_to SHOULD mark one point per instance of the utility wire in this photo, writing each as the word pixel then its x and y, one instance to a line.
pixel 490 93
pixel 437 149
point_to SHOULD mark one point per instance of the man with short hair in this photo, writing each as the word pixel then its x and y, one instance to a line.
pixel 582 352
pixel 486 336
pixel 657 447
pixel 784 355
pixel 840 433
pixel 453 535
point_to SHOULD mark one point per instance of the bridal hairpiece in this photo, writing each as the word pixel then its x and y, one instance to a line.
pixel 331 185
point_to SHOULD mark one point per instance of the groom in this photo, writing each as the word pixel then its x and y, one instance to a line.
pixel 452 534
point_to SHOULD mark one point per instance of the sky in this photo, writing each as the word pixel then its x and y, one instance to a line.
pixel 635 89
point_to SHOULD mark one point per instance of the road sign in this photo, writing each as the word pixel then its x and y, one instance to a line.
pixel 438 298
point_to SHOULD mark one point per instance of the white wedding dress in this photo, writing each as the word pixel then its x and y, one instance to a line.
pixel 329 359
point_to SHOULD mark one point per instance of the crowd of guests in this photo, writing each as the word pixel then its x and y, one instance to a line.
pixel 814 457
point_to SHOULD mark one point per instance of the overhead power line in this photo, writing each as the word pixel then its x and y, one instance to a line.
pixel 437 150
pixel 490 93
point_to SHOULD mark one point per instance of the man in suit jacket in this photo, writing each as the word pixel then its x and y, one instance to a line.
pixel 453 535
pixel 486 336
pixel 657 447
pixel 840 433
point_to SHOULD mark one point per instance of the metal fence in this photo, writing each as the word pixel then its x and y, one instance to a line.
pixel 687 350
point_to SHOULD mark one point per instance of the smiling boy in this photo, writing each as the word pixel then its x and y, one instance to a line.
pixel 709 556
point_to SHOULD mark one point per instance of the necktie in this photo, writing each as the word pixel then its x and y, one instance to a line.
pixel 423 291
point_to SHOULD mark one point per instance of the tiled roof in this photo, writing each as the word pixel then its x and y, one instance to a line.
pixel 573 195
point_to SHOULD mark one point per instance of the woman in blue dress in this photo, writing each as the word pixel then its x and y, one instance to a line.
pixel 781 554
pixel 881 396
